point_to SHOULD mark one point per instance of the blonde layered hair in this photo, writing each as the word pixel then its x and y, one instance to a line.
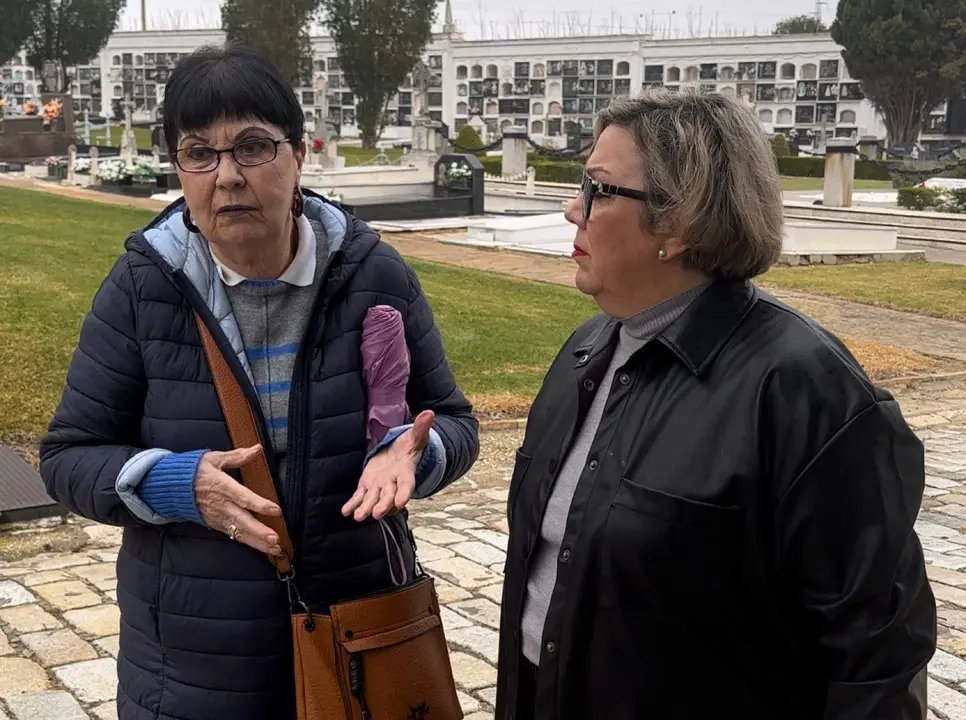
pixel 707 155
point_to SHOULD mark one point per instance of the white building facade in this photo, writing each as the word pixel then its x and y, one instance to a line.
pixel 798 84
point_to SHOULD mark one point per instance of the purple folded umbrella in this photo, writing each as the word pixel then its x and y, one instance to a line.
pixel 385 369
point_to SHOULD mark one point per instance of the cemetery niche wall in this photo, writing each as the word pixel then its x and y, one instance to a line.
pixel 43 130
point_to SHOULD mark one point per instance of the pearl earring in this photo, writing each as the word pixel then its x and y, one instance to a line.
pixel 662 253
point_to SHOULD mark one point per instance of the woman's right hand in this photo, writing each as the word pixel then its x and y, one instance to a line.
pixel 224 502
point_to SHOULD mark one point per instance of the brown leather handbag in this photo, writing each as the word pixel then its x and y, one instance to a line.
pixel 378 657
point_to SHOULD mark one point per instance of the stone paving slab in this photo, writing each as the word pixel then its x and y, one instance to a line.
pixel 58 661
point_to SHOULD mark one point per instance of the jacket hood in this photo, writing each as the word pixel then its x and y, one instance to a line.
pixel 188 253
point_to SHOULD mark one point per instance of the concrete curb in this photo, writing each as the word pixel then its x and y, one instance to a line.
pixel 921 378
pixel 508 424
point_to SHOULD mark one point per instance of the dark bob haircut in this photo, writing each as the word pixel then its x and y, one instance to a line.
pixel 228 83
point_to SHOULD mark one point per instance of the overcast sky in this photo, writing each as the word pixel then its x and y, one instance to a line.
pixel 503 18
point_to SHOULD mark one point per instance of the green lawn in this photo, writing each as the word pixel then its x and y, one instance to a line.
pixel 936 289
pixel 358 155
pixel 807 183
pixel 501 334
pixel 142 135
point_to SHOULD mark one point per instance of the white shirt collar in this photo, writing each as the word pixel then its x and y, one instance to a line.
pixel 300 272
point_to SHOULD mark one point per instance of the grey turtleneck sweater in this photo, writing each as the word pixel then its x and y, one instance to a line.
pixel 635 332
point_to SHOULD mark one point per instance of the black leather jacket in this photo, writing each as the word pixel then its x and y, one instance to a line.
pixel 740 542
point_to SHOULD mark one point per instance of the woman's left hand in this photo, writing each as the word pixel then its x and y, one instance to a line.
pixel 389 478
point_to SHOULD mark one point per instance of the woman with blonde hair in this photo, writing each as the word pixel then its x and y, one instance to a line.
pixel 712 511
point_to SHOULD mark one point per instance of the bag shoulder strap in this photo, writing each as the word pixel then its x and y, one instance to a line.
pixel 256 475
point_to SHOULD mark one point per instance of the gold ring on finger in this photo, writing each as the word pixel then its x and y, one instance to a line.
pixel 233 531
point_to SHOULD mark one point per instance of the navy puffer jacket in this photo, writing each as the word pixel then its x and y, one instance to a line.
pixel 204 620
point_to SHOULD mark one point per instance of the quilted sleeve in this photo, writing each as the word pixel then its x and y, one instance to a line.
pixel 432 386
pixel 96 427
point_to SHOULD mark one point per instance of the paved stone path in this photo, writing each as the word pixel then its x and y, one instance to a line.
pixel 59 621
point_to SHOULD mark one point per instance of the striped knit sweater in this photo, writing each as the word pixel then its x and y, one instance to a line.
pixel 272 316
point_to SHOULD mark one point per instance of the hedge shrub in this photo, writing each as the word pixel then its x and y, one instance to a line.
pixel 954 201
pixel 815 167
pixel 779 146
pixel 915 197
pixel 558 171
pixel 570 171
pixel 468 139
pixel 921 198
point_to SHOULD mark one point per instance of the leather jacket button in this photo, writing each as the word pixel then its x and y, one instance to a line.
pixel 583 359
pixel 588 384
pixel 551 646
pixel 565 556
pixel 593 464
pixel 625 378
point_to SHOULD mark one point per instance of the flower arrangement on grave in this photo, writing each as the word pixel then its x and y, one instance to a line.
pixel 82 166
pixel 56 167
pixel 52 110
pixel 318 144
pixel 457 175
pixel 113 171
pixel 30 108
pixel 143 169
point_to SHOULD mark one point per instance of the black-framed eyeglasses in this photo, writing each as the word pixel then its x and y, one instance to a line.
pixel 591 188
pixel 248 153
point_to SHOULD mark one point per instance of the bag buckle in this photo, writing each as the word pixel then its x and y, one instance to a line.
pixel 293 595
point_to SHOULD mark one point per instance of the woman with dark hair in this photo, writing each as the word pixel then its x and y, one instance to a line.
pixel 283 281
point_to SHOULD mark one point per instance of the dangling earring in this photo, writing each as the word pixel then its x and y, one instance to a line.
pixel 186 218
pixel 297 204
pixel 662 253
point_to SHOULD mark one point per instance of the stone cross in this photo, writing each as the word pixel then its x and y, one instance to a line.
pixel 93 171
pixel 156 158
pixel 331 148
pixel 421 79
pixel 531 180
pixel 129 146
pixel 71 161
pixel 87 126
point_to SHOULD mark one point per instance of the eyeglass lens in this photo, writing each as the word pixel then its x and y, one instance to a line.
pixel 248 153
pixel 587 189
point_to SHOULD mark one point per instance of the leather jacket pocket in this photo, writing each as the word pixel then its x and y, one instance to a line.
pixel 679 557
